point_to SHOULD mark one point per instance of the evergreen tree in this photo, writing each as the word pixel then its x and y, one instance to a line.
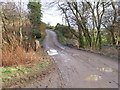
pixel 35 17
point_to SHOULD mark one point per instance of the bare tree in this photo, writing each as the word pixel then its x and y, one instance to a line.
pixel 98 11
pixel 89 18
pixel 20 22
pixel 110 21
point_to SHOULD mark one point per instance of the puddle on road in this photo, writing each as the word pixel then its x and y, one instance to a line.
pixel 62 47
pixel 76 55
pixel 67 60
pixel 89 60
pixel 103 69
pixel 52 52
pixel 93 78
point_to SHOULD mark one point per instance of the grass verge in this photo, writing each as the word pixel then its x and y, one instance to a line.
pixel 60 37
pixel 18 76
pixel 42 38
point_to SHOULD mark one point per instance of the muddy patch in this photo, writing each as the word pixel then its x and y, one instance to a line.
pixel 106 69
pixel 93 78
pixel 18 76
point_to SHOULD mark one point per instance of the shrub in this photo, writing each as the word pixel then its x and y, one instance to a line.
pixel 64 30
pixel 36 33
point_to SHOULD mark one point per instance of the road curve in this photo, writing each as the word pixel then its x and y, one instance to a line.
pixel 80 69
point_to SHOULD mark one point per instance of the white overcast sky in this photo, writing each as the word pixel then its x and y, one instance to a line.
pixel 50 15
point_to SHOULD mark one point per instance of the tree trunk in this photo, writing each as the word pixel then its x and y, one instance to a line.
pixel 20 27
pixel 99 40
pixel 113 38
pixel 81 43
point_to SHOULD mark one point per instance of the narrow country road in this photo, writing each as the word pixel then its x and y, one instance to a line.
pixel 77 69
pixel 80 69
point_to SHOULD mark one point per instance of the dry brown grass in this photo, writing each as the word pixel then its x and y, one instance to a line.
pixel 16 55
pixel 0 57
